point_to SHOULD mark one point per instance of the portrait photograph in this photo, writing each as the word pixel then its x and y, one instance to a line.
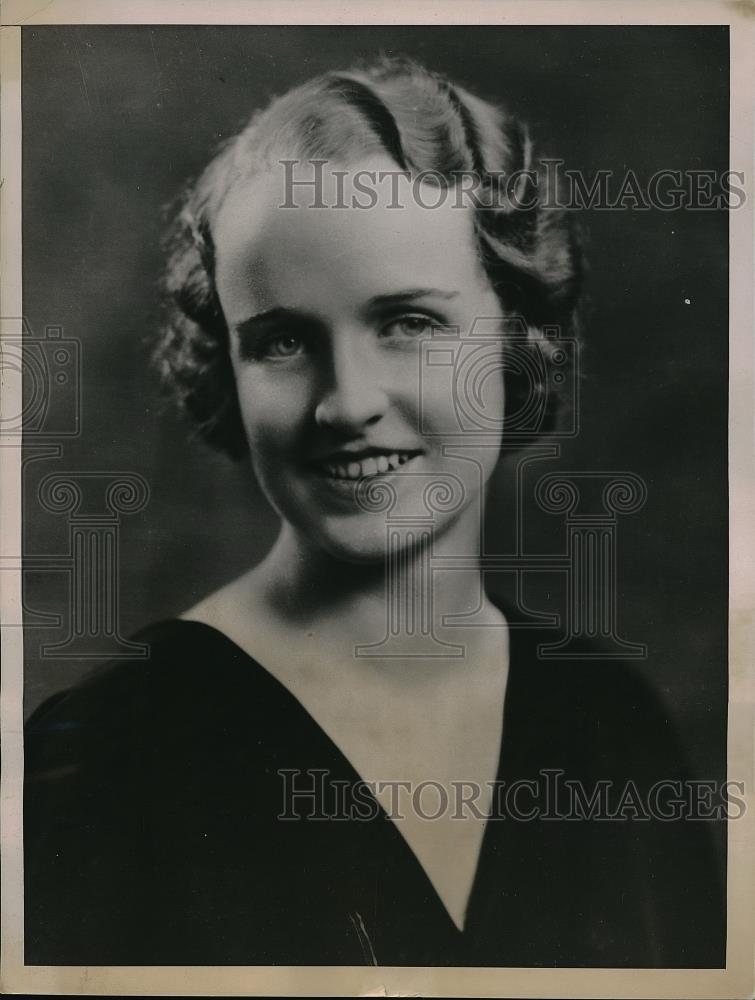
pixel 377 474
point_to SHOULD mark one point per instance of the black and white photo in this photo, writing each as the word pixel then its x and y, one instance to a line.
pixel 375 469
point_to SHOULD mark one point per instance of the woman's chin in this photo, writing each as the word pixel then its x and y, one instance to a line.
pixel 360 539
pixel 355 543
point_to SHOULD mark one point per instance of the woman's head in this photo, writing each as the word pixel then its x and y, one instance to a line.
pixel 300 332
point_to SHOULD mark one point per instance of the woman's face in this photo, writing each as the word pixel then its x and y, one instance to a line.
pixel 341 379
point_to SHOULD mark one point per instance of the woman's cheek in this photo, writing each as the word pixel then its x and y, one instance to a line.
pixel 437 411
pixel 270 410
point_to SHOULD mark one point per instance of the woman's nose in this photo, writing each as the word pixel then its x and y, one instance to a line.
pixel 354 395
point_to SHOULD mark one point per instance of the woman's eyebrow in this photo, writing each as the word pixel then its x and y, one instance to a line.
pixel 276 315
pixel 284 314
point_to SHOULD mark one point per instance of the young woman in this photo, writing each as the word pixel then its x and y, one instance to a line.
pixel 261 790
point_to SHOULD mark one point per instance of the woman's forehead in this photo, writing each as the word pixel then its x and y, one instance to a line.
pixel 270 246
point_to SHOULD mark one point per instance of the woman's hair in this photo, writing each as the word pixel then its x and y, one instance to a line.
pixel 423 123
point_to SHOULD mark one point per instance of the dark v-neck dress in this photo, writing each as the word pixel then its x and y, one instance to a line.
pixel 153 829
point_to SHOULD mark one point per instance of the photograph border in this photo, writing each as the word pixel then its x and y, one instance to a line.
pixel 737 979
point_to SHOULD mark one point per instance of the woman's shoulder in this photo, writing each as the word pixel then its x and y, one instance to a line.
pixel 185 687
pixel 172 650
pixel 596 711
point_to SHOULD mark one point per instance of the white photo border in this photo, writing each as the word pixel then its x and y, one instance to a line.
pixel 736 980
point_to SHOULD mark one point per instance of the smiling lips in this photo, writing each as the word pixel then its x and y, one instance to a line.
pixel 359 465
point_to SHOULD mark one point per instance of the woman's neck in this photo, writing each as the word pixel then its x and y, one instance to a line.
pixel 304 586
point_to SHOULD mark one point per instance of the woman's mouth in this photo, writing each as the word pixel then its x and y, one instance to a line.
pixel 369 465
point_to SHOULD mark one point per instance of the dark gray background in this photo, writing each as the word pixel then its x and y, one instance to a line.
pixel 117 118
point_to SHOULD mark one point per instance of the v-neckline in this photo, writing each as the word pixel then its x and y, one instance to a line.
pixel 345 764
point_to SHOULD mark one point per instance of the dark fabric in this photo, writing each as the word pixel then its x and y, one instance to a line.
pixel 152 837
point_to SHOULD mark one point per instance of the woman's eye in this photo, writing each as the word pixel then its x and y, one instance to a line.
pixel 283 346
pixel 410 326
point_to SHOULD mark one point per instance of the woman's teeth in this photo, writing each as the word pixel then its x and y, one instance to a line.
pixel 372 466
